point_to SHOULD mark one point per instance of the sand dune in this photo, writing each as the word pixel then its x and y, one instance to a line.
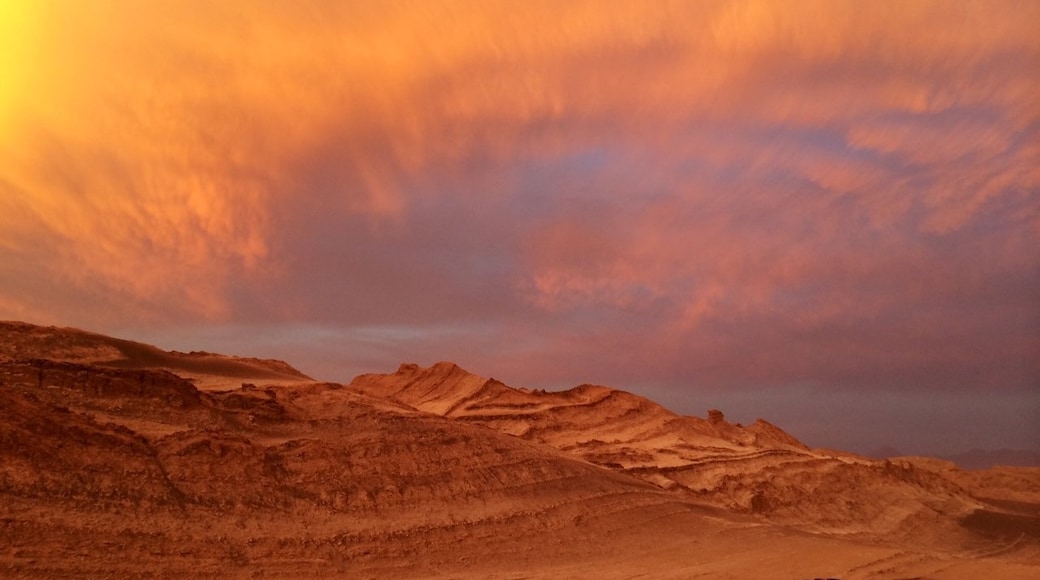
pixel 110 470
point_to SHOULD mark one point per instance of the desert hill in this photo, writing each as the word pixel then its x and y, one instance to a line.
pixel 126 472
pixel 112 468
pixel 605 426
pixel 19 341
pixel 758 469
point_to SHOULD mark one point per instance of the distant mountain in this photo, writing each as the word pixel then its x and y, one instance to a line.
pixel 976 458
pixel 120 459
pixel 986 458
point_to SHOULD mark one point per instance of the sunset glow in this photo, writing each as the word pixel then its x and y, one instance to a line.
pixel 16 35
pixel 696 199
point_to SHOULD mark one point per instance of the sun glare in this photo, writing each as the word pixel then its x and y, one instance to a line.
pixel 16 31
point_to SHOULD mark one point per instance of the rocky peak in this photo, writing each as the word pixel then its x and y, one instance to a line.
pixel 716 417
pixel 408 369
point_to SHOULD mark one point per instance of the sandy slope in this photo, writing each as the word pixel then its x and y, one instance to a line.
pixel 110 471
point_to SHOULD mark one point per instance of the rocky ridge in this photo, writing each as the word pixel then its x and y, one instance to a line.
pixel 756 469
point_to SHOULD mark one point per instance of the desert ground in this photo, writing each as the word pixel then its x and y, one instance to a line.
pixel 118 459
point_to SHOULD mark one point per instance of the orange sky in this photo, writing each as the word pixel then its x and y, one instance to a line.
pixel 682 197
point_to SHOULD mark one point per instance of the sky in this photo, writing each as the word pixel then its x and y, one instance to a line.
pixel 826 214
